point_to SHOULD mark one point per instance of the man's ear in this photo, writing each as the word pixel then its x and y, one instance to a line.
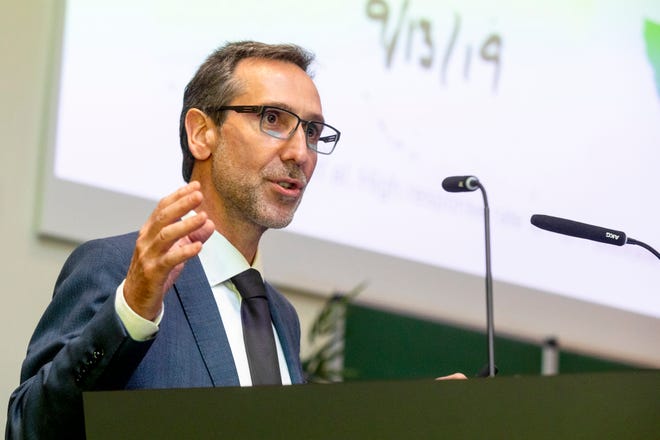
pixel 202 134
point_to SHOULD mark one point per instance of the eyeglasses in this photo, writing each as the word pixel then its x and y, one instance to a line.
pixel 282 124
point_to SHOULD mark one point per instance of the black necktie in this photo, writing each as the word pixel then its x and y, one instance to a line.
pixel 257 329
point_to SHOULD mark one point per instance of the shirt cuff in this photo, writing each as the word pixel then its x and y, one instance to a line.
pixel 138 328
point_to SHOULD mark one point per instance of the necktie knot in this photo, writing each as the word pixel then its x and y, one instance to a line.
pixel 249 284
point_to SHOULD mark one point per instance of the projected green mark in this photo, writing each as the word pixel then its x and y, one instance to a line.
pixel 652 38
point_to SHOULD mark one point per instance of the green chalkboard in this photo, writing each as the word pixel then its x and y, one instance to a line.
pixel 383 345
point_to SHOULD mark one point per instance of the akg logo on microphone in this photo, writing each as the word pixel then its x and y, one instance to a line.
pixel 610 235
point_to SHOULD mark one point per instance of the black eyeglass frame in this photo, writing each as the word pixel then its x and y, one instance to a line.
pixel 260 110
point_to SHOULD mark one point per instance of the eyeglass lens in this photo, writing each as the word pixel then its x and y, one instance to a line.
pixel 282 124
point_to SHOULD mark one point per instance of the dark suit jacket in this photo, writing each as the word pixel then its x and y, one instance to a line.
pixel 80 344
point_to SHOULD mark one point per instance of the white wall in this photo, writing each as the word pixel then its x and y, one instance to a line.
pixel 29 264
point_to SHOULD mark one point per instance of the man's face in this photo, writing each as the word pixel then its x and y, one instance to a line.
pixel 259 179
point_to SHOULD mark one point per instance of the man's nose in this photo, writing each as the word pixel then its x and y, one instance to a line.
pixel 296 148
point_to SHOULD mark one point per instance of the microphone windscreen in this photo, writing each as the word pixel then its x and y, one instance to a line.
pixel 460 183
pixel 579 230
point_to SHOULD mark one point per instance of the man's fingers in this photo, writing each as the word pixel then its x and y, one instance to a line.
pixel 157 231
pixel 172 208
pixel 202 233
pixel 455 376
pixel 170 234
pixel 180 254
pixel 179 193
pixel 183 240
pixel 196 233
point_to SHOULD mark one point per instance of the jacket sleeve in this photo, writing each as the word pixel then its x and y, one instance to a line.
pixel 79 345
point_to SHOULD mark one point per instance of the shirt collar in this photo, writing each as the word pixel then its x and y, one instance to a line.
pixel 221 260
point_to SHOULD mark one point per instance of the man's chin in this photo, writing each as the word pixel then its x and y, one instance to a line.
pixel 278 224
pixel 278 220
pixel 279 216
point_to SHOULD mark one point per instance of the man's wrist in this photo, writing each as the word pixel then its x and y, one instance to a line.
pixel 138 328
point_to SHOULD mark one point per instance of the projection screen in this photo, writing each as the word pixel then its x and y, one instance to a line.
pixel 555 107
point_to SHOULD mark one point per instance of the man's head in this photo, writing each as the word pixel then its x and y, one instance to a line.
pixel 215 84
pixel 253 139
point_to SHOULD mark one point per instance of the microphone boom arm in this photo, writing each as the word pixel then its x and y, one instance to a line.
pixel 490 326
pixel 630 240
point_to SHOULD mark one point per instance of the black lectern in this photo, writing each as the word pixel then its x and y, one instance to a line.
pixel 587 406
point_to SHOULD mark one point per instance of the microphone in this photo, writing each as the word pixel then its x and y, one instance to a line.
pixel 590 232
pixel 471 183
pixel 460 183
pixel 579 230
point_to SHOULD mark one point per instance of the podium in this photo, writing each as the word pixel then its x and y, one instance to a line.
pixel 585 406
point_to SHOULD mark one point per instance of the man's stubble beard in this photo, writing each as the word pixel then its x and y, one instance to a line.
pixel 245 197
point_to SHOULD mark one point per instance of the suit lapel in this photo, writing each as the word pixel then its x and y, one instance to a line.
pixel 199 306
pixel 285 332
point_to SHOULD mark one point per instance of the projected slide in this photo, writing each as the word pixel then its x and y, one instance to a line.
pixel 652 37
pixel 554 106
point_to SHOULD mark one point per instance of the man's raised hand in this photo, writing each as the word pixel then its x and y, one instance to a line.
pixel 164 244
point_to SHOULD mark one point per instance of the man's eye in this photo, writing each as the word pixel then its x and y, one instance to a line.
pixel 271 117
pixel 313 130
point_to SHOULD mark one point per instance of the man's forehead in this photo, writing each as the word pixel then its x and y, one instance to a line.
pixel 252 64
pixel 280 83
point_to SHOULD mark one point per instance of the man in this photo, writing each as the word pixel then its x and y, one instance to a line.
pixel 158 309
